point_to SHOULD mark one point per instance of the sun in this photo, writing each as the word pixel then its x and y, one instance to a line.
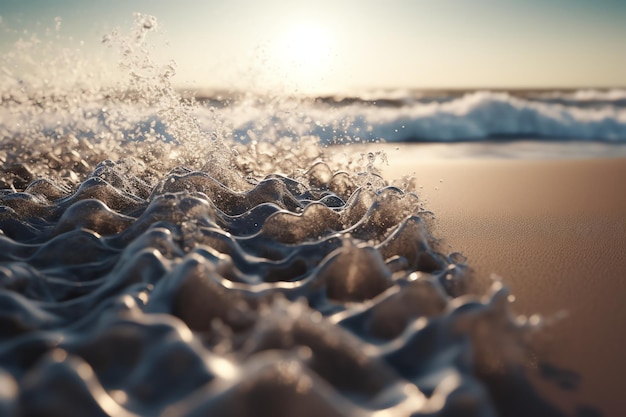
pixel 303 55
pixel 304 46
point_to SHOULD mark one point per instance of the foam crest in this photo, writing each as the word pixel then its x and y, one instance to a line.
pixel 468 117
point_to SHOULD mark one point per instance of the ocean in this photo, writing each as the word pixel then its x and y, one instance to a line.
pixel 451 116
pixel 227 253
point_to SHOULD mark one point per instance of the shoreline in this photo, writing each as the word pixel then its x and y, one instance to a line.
pixel 555 231
pixel 490 150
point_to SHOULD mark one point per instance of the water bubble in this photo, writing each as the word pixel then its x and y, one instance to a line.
pixel 458 258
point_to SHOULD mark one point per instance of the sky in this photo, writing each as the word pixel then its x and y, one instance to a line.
pixel 337 46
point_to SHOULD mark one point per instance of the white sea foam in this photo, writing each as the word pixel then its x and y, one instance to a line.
pixel 470 117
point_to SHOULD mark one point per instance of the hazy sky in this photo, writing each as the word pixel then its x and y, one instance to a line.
pixel 335 45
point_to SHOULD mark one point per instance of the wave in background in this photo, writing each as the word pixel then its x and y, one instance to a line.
pixel 400 116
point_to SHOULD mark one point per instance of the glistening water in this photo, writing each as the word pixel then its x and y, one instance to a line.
pixel 154 264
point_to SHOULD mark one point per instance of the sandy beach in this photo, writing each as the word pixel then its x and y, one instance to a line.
pixel 555 231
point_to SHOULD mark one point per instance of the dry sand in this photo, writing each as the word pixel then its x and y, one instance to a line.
pixel 555 230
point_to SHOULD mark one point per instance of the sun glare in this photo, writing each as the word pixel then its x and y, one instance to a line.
pixel 303 56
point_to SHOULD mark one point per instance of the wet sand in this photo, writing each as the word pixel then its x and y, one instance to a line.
pixel 555 230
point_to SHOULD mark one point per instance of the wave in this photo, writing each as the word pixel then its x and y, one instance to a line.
pixel 473 116
pixel 313 297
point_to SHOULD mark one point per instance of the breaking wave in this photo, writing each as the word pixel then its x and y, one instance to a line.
pixel 472 116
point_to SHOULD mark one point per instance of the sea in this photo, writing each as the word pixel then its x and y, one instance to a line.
pixel 227 253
